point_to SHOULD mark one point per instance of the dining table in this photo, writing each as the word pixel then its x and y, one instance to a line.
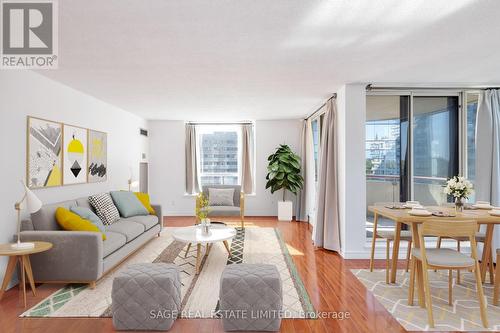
pixel 401 216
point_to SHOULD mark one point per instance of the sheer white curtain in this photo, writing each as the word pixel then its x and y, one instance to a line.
pixel 306 197
pixel 192 176
pixel 326 232
pixel 488 153
pixel 247 158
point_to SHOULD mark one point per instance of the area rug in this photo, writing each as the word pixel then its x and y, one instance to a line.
pixel 200 293
pixel 462 315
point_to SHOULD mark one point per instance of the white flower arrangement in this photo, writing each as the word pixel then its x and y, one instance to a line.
pixel 459 187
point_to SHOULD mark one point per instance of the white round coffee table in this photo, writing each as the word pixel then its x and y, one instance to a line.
pixel 195 235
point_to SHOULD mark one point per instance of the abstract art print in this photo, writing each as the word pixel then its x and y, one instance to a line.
pixel 98 156
pixel 75 155
pixel 44 153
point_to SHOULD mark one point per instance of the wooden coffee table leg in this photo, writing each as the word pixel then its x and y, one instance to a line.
pixel 29 273
pixel 198 258
pixel 187 250
pixel 22 286
pixel 11 267
pixel 226 245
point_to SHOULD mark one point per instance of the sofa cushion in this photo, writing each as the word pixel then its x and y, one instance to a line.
pixel 148 221
pixel 220 196
pixel 127 228
pixel 145 201
pixel 88 214
pixel 128 204
pixel 74 222
pixel 237 192
pixel 84 202
pixel 113 242
pixel 45 218
pixel 223 211
pixel 104 208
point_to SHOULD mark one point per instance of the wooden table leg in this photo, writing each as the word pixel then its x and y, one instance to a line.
pixel 22 285
pixel 209 247
pixel 418 265
pixel 29 273
pixel 374 240
pixel 226 245
pixel 11 267
pixel 187 250
pixel 486 252
pixel 395 252
pixel 198 258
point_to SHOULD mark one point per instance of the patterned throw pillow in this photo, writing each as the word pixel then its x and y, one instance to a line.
pixel 104 208
pixel 220 196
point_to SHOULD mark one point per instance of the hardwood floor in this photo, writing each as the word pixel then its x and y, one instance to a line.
pixel 325 274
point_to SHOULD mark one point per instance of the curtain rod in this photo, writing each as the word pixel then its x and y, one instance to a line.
pixel 219 123
pixel 334 95
pixel 370 87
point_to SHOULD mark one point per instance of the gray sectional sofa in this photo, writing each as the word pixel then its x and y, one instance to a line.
pixel 82 256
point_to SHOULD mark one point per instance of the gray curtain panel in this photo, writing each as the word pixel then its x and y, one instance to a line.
pixel 247 159
pixel 305 197
pixel 488 152
pixel 192 179
pixel 326 232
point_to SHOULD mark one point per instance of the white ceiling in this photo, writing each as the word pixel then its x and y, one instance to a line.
pixel 257 59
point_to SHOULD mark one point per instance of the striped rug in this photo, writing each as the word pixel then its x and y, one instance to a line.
pixel 200 293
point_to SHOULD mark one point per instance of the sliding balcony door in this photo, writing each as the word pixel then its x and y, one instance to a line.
pixel 386 152
pixel 412 147
pixel 435 147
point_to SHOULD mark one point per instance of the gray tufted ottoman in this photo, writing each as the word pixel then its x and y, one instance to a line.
pixel 146 297
pixel 251 298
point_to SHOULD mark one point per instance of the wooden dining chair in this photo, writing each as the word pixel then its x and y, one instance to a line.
pixel 497 279
pixel 389 236
pixel 445 259
pixel 480 238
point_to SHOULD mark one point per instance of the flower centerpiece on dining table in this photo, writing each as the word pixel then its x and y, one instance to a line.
pixel 460 188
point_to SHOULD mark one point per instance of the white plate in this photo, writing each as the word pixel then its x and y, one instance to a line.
pixel 420 213
pixel 482 206
pixel 494 213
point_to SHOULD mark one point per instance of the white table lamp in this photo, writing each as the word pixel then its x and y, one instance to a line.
pixel 33 204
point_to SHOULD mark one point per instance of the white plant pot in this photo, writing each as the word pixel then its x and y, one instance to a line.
pixel 285 211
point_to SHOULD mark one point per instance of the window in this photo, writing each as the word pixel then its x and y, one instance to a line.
pixel 219 151
pixel 316 125
pixel 412 147
pixel 472 104
pixel 386 157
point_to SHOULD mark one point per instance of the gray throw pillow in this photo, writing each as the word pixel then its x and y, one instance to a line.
pixel 104 208
pixel 220 196
pixel 128 204
pixel 86 214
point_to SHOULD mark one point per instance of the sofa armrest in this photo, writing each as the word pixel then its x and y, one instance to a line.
pixel 158 213
pixel 76 256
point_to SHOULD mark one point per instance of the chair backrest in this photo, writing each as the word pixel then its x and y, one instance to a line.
pixel 236 196
pixel 448 228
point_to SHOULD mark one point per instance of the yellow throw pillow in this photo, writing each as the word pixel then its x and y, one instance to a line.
pixel 73 222
pixel 144 199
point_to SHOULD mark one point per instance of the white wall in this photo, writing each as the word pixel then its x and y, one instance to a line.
pixel 167 175
pixel 24 93
pixel 351 104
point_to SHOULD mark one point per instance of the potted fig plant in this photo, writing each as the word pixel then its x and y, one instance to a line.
pixel 284 174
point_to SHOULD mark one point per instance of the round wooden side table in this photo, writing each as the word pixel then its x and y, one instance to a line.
pixel 21 256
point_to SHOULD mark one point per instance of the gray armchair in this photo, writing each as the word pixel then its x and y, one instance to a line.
pixel 238 209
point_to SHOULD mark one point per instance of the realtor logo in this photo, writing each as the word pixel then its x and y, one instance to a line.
pixel 29 35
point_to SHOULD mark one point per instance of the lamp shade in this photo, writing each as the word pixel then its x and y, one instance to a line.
pixel 33 204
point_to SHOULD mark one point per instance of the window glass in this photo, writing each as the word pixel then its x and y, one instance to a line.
pixel 219 151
